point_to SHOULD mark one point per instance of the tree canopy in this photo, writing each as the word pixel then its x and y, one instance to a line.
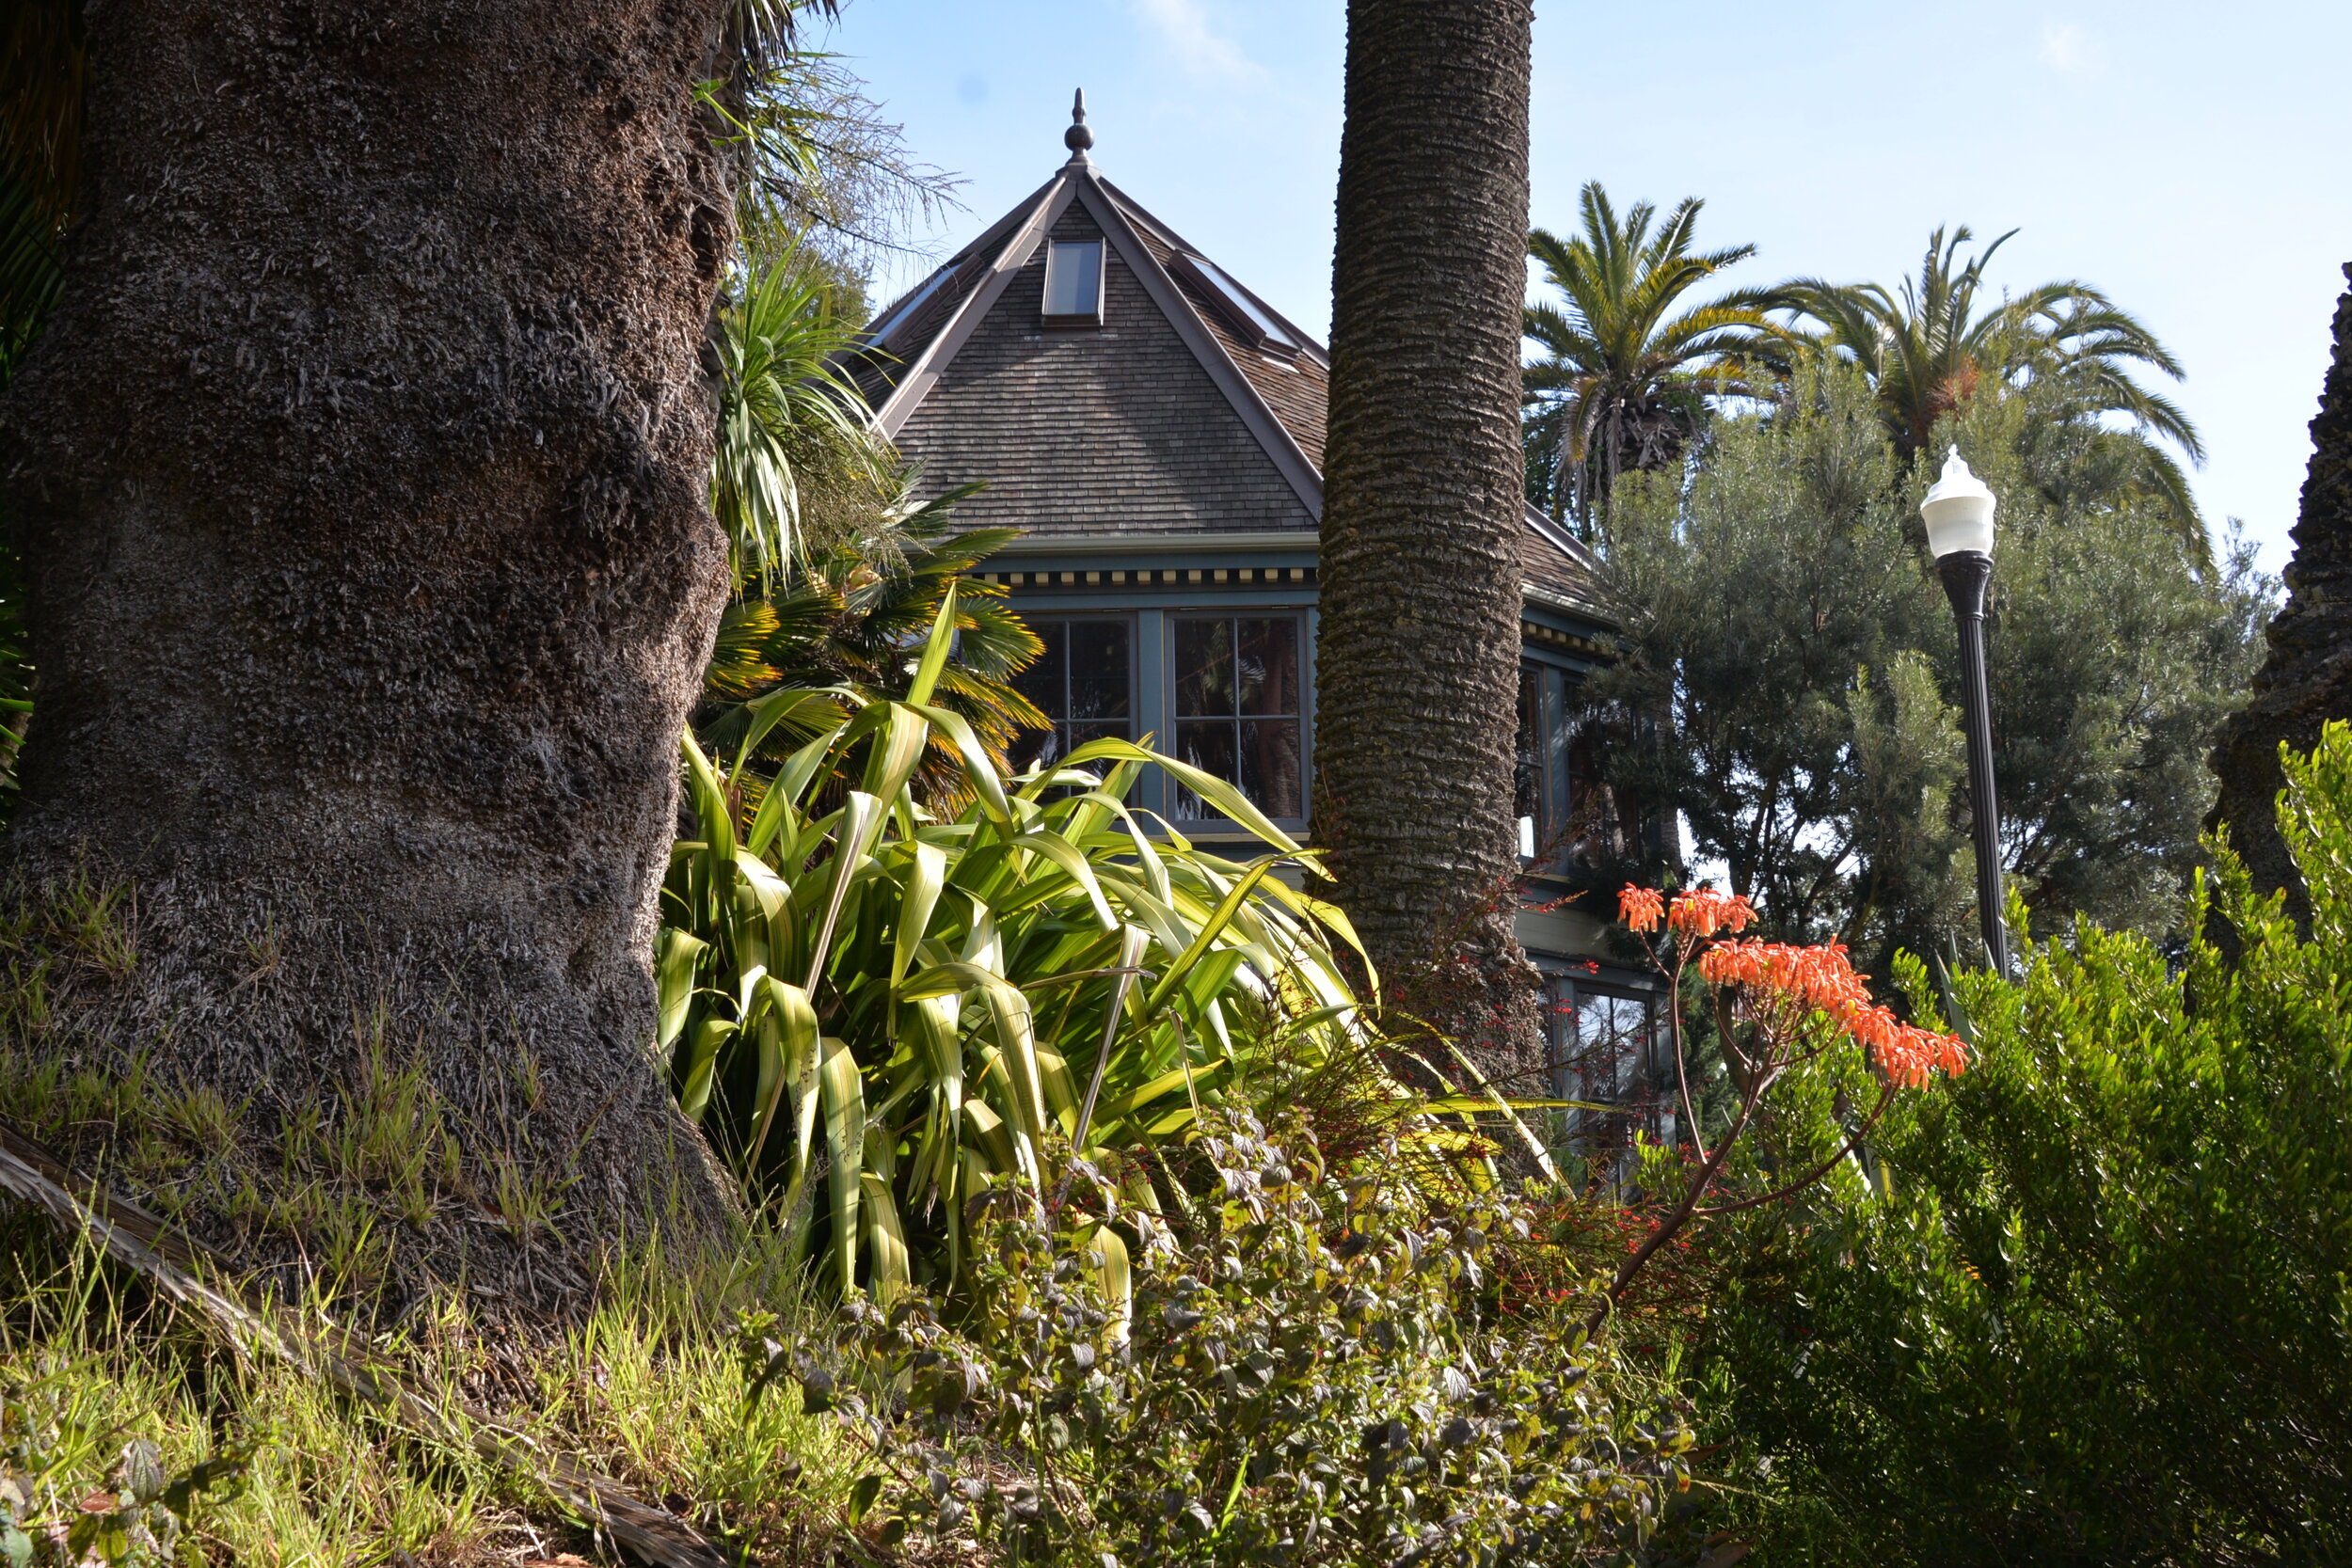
pixel 1929 349
pixel 1787 636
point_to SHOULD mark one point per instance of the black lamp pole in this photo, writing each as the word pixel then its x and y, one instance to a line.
pixel 1965 573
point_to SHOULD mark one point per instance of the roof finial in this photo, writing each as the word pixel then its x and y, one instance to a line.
pixel 1078 139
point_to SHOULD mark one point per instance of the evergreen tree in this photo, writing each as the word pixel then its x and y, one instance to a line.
pixel 2306 678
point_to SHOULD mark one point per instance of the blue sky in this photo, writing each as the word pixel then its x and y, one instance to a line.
pixel 2193 161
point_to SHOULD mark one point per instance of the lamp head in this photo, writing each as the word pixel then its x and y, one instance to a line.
pixel 1959 511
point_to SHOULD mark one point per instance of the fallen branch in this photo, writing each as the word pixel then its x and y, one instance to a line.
pixel 138 1240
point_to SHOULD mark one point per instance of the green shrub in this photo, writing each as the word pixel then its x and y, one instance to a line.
pixel 2095 1305
pixel 1317 1370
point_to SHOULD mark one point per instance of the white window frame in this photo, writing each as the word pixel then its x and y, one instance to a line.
pixel 1092 315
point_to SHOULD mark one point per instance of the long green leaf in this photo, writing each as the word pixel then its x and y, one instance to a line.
pixel 676 955
pixel 844 1093
pixel 795 1023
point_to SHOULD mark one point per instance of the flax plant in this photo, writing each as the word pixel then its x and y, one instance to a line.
pixel 901 1001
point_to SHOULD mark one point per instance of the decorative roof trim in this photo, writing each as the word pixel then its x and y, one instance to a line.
pixel 1582 609
pixel 1171 541
pixel 1271 433
pixel 1051 202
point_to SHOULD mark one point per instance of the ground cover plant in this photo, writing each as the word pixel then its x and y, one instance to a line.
pixel 2086 1305
pixel 117 1400
pixel 1309 1364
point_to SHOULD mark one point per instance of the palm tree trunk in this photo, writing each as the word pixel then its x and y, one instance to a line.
pixel 2307 678
pixel 361 479
pixel 1424 504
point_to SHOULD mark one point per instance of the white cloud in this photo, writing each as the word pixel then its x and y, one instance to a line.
pixel 1183 26
pixel 2069 49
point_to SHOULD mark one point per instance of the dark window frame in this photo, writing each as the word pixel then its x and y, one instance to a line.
pixel 1302 717
pixel 1045 625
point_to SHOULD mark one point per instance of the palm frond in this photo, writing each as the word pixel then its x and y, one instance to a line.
pixel 1928 348
pixel 1626 368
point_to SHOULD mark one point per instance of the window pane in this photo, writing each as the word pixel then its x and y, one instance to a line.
pixel 1073 278
pixel 1044 683
pixel 1612 1049
pixel 1269 764
pixel 1209 748
pixel 1268 665
pixel 1204 668
pixel 1034 746
pixel 1098 669
pixel 1241 301
pixel 1527 772
pixel 1041 682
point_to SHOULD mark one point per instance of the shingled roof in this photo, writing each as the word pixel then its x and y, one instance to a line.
pixel 1180 414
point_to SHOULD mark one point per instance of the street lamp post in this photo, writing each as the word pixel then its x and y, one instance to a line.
pixel 1959 514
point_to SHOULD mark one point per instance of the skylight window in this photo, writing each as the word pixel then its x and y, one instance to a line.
pixel 908 307
pixel 1246 315
pixel 1074 283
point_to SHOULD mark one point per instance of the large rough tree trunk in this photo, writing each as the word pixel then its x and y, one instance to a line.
pixel 2307 678
pixel 360 476
pixel 1418 654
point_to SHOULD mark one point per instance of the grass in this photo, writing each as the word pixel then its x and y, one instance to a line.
pixel 321 1207
pixel 646 1388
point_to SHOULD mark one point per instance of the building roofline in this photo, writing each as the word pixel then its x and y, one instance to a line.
pixel 1136 544
pixel 1051 201
pixel 1303 476
pixel 1305 339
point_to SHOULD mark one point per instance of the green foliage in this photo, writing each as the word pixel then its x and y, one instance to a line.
pixel 2093 1308
pixel 1929 353
pixel 818 171
pixel 1314 1371
pixel 44 64
pixel 1626 368
pixel 850 627
pixel 264 1461
pixel 1789 632
pixel 899 1000
pixel 133 1519
pixel 789 421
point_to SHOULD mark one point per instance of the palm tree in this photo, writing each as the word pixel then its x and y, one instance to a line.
pixel 1625 378
pixel 844 630
pixel 1929 349
pixel 2306 681
pixel 382 435
pixel 1423 508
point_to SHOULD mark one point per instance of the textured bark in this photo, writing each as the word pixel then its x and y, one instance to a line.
pixel 2306 680
pixel 360 477
pixel 1418 653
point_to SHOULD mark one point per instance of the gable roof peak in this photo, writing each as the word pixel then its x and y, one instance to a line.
pixel 1079 136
